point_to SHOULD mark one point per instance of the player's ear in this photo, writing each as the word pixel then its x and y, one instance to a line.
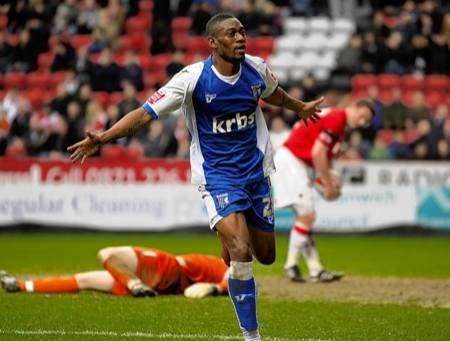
pixel 212 42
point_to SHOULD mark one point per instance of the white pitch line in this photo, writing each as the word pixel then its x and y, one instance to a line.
pixel 146 335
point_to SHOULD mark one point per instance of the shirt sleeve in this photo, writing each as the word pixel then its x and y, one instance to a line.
pixel 333 126
pixel 170 97
pixel 270 79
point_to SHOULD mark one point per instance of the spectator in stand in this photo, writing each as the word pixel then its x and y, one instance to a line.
pixel 11 103
pixel 84 96
pixel 289 116
pixel 379 150
pixel 420 53
pixel 350 59
pixel 105 74
pixel 250 17
pixel 270 21
pixel 394 55
pixel 398 149
pixel 278 132
pixel 112 115
pixel 427 136
pixel 87 17
pixel 395 112
pixel 182 139
pixel 25 54
pixel 369 50
pixel 443 150
pixel 439 61
pixel 65 55
pixel 6 53
pixel 129 101
pixel 39 24
pixel 66 17
pixel 157 140
pixel 418 109
pixel 109 26
pixel 75 124
pixel 96 117
pixel 358 145
pixel 20 125
pixel 4 131
pixel 161 38
pixel 201 12
pixel 132 71
pixel 176 65
pixel 420 151
pixel 62 99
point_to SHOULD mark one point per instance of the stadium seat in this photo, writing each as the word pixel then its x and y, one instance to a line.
pixel 387 81
pixel 260 46
pixel 437 83
pixel 102 97
pixel 113 152
pixel 319 24
pixel 410 82
pixel 282 61
pixel 407 97
pixel 434 98
pixel 359 93
pixel 3 22
pixel 139 24
pixel 386 135
pixel 159 62
pixel 385 95
pixel 2 94
pixel 198 44
pixel 80 40
pixel 297 74
pixel 180 40
pixel 328 60
pixel 38 80
pixel 146 61
pixel 306 61
pixel 343 25
pixel 115 97
pixel 181 24
pixel 316 41
pixel 288 43
pixel 296 25
pixel 153 78
pixel 36 98
pixel 338 40
pixel 321 74
pixel 363 81
pixel 137 42
pixel 14 79
pixel 146 6
pixel 45 60
pixel 409 136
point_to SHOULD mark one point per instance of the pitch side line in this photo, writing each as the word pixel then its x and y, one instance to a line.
pixel 146 335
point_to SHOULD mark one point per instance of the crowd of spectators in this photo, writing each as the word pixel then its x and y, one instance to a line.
pixel 98 79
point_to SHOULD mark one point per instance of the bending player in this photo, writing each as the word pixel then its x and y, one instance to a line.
pixel 305 158
pixel 138 272
pixel 231 155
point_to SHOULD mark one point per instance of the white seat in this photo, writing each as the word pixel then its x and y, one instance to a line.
pixel 321 74
pixel 315 42
pixel 296 25
pixel 338 41
pixel 282 61
pixel 343 25
pixel 320 24
pixel 288 43
pixel 297 74
pixel 328 60
pixel 281 74
pixel 306 61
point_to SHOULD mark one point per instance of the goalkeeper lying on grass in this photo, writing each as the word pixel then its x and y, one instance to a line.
pixel 136 271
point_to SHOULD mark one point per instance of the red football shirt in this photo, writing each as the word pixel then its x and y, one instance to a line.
pixel 329 130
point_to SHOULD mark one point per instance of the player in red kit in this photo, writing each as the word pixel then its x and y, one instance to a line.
pixel 136 271
pixel 305 159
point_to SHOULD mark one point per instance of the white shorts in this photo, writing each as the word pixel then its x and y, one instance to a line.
pixel 292 182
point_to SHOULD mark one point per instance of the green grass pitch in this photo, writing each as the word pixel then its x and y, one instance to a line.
pixel 95 316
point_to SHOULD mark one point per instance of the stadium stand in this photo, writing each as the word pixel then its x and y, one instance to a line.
pixel 398 55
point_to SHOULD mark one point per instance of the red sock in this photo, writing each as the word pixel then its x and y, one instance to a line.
pixel 301 229
pixel 50 285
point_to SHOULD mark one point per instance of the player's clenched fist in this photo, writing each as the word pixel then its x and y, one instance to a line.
pixel 201 290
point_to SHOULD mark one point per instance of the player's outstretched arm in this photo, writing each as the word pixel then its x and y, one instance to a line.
pixel 305 110
pixel 322 165
pixel 126 126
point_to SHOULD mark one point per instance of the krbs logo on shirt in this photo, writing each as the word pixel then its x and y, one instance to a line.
pixel 222 199
pixel 238 122
pixel 209 97
pixel 256 89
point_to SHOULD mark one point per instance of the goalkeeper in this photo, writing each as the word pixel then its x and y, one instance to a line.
pixel 136 271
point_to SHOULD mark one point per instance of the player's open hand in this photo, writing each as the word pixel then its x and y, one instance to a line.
pixel 201 290
pixel 85 148
pixel 311 110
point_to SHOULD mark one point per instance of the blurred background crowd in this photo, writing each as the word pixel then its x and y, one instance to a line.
pixel 70 66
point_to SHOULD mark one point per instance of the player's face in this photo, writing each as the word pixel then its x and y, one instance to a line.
pixel 363 117
pixel 230 40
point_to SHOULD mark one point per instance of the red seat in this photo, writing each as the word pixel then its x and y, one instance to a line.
pixel 410 82
pixel 115 97
pixel 409 136
pixel 39 80
pixel 113 151
pixel 359 94
pixel 139 24
pixel 146 5
pixel 434 98
pixel 407 97
pixel 386 135
pixel 57 77
pixel 145 60
pixel 198 44
pixel 437 83
pixel 180 40
pixel 260 46
pixel 45 60
pixel 3 22
pixel 36 98
pixel 2 94
pixel 14 80
pixel 387 81
pixel 363 81
pixel 152 78
pixel 181 24
pixel 80 40
pixel 136 42
pixel 102 97
pixel 385 95
pixel 160 61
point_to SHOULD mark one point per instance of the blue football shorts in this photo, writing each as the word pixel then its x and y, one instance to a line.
pixel 253 199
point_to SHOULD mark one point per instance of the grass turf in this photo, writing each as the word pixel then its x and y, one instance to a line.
pixel 41 253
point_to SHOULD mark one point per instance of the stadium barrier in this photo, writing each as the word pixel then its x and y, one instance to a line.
pixel 155 195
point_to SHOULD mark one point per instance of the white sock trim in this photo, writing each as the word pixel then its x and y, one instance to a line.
pixel 29 286
pixel 241 270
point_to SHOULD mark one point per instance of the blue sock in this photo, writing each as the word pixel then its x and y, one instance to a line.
pixel 242 291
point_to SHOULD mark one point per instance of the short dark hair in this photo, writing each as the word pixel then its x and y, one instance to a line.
pixel 211 25
pixel 368 104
